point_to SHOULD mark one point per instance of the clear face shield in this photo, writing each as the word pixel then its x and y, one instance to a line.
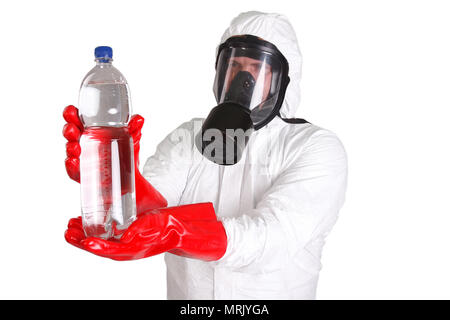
pixel 250 83
pixel 251 78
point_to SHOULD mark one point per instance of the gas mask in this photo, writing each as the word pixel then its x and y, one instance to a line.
pixel 250 84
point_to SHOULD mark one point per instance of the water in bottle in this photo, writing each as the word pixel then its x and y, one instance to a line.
pixel 108 203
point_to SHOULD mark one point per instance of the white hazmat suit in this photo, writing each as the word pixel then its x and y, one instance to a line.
pixel 277 203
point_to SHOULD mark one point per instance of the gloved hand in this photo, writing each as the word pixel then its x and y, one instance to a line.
pixel 147 197
pixel 191 231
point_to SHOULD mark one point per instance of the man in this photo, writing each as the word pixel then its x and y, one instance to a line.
pixel 248 213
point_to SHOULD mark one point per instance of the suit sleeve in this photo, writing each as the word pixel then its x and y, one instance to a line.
pixel 167 170
pixel 302 205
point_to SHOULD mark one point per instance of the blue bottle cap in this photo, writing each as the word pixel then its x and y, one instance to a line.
pixel 103 53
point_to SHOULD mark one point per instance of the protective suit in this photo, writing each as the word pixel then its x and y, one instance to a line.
pixel 277 204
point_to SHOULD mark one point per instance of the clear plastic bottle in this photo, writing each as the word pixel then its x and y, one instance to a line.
pixel 108 203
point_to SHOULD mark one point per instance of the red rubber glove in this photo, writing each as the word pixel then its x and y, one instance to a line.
pixel 147 197
pixel 190 231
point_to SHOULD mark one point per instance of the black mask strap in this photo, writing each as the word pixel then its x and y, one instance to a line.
pixel 294 120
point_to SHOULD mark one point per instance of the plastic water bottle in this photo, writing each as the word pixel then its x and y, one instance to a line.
pixel 108 203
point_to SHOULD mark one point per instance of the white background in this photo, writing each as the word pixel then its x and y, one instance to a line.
pixel 375 72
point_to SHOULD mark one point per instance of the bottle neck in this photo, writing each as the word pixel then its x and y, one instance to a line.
pixel 103 62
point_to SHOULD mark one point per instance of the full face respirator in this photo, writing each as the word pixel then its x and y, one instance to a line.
pixel 250 84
